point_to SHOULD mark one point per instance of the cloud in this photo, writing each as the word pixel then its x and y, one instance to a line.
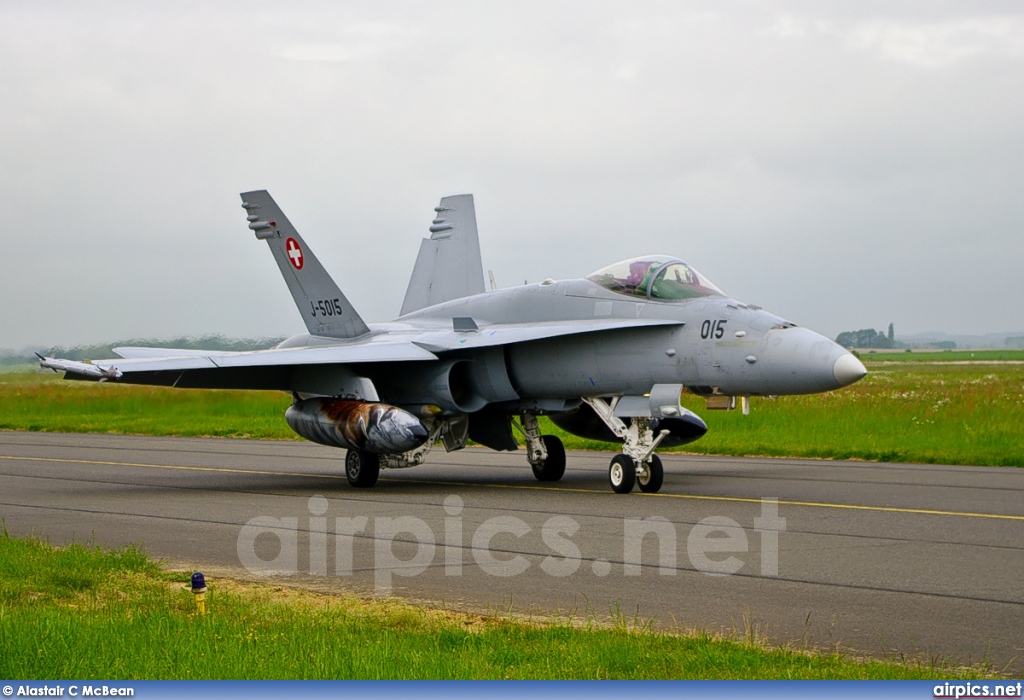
pixel 359 41
pixel 794 27
pixel 322 52
pixel 799 154
pixel 941 44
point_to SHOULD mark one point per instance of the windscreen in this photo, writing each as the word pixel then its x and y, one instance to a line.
pixel 655 277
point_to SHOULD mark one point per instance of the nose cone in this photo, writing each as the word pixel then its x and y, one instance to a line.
pixel 799 361
pixel 848 369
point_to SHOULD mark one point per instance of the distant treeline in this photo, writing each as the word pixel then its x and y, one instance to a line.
pixel 105 350
pixel 866 338
pixel 869 338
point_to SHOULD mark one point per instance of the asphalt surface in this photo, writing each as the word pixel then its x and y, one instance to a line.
pixel 879 559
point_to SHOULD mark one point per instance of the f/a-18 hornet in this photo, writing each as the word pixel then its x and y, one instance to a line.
pixel 606 357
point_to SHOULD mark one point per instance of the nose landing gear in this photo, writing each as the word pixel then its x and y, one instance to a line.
pixel 637 464
pixel 651 475
pixel 622 474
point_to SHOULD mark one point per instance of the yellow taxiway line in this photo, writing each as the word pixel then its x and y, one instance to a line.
pixel 691 497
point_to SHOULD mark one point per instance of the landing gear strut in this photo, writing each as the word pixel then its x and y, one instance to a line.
pixel 637 463
pixel 545 453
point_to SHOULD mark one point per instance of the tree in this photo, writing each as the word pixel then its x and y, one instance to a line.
pixel 865 338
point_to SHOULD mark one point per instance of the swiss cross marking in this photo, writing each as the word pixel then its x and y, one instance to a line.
pixel 294 253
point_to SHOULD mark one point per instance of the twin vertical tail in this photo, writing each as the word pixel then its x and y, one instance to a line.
pixel 448 265
pixel 324 308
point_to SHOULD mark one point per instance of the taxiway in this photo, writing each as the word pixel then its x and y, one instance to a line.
pixel 882 559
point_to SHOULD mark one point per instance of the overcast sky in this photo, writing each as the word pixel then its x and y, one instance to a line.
pixel 844 165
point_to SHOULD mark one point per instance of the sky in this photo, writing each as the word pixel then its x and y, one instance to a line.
pixel 844 165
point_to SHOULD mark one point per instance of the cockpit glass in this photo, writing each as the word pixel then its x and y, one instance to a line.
pixel 655 277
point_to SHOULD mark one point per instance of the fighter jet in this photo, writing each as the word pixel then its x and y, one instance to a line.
pixel 606 357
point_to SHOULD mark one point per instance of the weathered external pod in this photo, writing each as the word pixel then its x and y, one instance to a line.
pixel 356 425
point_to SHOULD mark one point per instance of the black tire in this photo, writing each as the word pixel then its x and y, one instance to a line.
pixel 361 468
pixel 651 476
pixel 552 468
pixel 622 473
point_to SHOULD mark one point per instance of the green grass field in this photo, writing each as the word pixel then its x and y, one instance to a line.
pixel 943 407
pixel 937 408
pixel 78 612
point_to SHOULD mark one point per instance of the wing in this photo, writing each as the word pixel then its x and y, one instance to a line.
pixel 134 352
pixel 258 369
pixel 274 368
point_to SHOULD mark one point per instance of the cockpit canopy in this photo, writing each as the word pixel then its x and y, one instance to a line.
pixel 655 277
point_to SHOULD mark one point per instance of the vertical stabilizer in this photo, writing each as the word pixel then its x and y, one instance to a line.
pixel 324 308
pixel 448 265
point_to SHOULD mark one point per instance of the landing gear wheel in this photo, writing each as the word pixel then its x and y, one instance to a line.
pixel 622 473
pixel 552 468
pixel 651 475
pixel 362 468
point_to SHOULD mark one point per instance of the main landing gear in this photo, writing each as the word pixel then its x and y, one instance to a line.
pixel 545 453
pixel 637 465
pixel 362 468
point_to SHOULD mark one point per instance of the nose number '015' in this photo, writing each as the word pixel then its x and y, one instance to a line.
pixel 712 329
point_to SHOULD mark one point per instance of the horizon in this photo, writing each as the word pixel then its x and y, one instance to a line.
pixel 27 350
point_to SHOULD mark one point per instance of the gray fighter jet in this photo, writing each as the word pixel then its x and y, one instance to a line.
pixel 606 357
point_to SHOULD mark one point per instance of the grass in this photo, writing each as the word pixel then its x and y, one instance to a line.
pixel 942 407
pixel 928 411
pixel 80 612
pixel 941 355
pixel 45 402
pixel 935 408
